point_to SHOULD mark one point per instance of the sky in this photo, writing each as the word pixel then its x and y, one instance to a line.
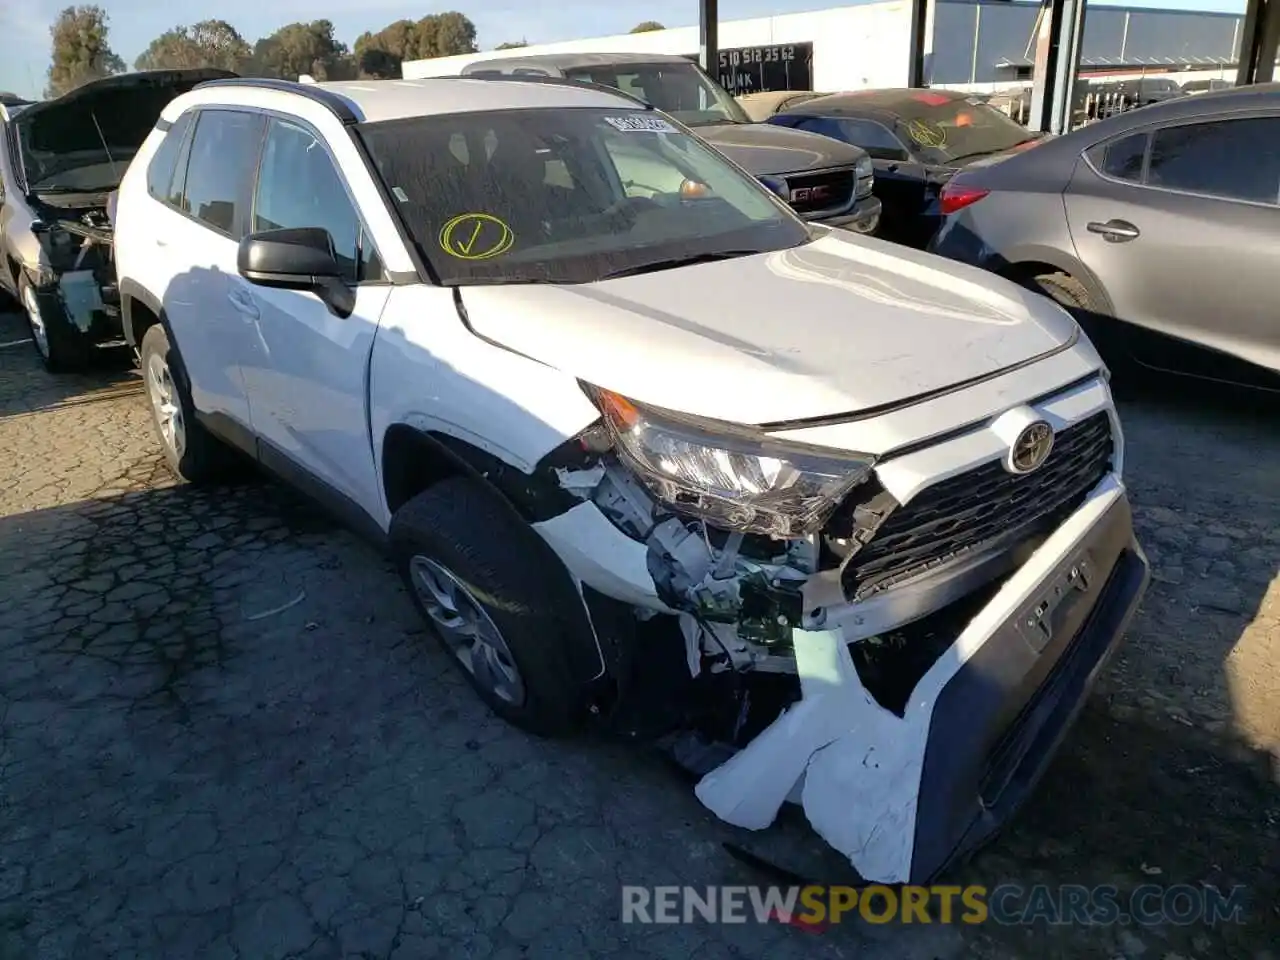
pixel 25 44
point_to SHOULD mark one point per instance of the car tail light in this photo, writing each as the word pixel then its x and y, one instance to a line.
pixel 957 196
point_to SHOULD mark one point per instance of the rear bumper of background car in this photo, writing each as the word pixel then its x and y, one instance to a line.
pixel 954 240
pixel 904 795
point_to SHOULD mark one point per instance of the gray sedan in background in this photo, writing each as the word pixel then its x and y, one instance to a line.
pixel 1159 228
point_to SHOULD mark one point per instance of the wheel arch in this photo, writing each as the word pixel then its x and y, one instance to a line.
pixel 139 309
pixel 12 269
pixel 413 459
pixel 1030 262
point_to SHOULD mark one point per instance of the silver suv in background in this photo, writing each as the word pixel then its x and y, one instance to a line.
pixel 1164 220
pixel 823 180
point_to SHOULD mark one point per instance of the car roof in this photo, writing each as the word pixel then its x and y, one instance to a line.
pixel 867 102
pixel 373 101
pixel 774 96
pixel 1210 103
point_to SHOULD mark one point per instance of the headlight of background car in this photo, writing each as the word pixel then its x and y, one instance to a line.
pixel 733 476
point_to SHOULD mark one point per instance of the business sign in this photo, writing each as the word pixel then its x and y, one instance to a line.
pixel 779 66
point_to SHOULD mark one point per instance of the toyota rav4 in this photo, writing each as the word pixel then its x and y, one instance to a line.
pixel 832 521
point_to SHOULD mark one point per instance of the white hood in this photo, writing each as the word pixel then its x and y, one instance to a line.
pixel 842 324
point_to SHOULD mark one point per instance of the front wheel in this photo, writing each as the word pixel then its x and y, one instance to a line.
pixel 499 601
pixel 59 345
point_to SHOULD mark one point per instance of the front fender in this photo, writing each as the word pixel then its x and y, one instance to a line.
pixel 430 372
pixel 26 250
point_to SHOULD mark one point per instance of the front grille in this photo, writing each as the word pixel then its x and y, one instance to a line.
pixel 983 506
pixel 814 192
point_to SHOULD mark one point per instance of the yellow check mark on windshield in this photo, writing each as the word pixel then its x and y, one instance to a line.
pixel 466 248
pixel 490 237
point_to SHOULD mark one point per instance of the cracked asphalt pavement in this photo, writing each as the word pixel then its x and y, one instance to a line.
pixel 225 733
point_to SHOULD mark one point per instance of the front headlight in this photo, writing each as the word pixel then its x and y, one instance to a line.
pixel 736 477
pixel 864 168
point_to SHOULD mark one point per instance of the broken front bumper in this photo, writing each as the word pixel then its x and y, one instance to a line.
pixel 903 796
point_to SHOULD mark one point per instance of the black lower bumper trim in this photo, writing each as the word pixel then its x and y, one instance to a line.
pixel 999 721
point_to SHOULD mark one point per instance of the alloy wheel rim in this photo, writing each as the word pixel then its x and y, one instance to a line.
pixel 165 406
pixel 38 332
pixel 467 629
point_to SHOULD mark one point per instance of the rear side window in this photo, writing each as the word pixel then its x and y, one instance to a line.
pixel 1123 158
pixel 224 153
pixel 1236 159
pixel 875 138
pixel 824 126
pixel 160 171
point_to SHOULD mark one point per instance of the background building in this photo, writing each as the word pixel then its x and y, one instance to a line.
pixel 985 44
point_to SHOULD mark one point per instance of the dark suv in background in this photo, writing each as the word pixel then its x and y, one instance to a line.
pixel 823 180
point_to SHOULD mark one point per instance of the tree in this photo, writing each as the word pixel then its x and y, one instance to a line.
pixel 80 49
pixel 377 64
pixel 210 43
pixel 647 26
pixel 220 44
pixel 301 48
pixel 435 35
pixel 399 40
pixel 172 50
pixel 512 45
pixel 450 34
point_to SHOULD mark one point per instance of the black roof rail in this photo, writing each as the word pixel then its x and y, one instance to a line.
pixel 542 78
pixel 335 104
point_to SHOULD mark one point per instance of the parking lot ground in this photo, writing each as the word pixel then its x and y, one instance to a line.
pixel 225 733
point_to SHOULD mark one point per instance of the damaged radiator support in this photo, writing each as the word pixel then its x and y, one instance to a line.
pixel 741 595
pixel 738 600
pixel 80 254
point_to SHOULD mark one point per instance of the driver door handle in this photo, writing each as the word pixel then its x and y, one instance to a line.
pixel 244 302
pixel 1115 231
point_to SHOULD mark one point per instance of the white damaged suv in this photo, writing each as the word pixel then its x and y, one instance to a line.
pixel 830 520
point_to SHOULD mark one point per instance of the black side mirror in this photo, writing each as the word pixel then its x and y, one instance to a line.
pixel 297 259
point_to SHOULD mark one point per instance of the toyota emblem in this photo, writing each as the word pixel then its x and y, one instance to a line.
pixel 1031 448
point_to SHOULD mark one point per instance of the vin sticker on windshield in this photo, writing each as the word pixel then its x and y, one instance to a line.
pixel 640 123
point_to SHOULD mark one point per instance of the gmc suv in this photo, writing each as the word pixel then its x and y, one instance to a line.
pixel 824 180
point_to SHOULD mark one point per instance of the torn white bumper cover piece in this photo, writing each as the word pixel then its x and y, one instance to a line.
pixel 903 796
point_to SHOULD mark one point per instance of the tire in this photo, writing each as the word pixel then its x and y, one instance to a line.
pixel 1066 289
pixel 1071 294
pixel 59 345
pixel 191 452
pixel 493 555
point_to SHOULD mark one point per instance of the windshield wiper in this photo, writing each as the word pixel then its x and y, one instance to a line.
pixel 57 191
pixel 989 153
pixel 654 266
pixel 501 282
